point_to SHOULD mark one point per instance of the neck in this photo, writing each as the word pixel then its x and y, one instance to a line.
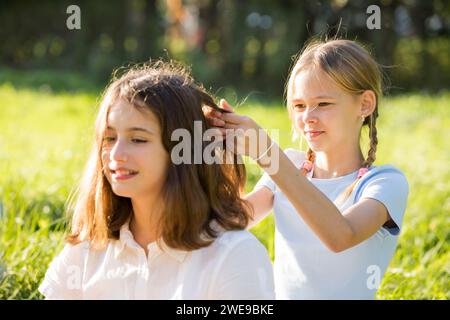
pixel 143 223
pixel 338 164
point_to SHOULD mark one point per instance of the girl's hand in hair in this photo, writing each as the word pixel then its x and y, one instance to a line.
pixel 249 138
pixel 214 116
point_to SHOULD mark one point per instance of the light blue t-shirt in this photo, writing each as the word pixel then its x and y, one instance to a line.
pixel 304 268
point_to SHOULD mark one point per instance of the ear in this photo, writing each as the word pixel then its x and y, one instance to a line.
pixel 368 102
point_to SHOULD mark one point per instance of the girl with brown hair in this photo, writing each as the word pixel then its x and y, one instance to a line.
pixel 144 227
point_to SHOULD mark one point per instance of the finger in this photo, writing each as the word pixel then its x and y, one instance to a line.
pixel 220 123
pixel 225 105
pixel 210 121
pixel 209 112
pixel 232 118
pixel 231 126
pixel 214 122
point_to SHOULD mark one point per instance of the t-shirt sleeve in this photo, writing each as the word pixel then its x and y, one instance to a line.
pixel 266 181
pixel 62 280
pixel 391 188
pixel 246 273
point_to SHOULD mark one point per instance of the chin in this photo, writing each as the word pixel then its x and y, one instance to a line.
pixel 123 192
pixel 316 147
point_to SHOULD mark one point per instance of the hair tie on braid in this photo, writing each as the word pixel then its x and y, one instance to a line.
pixel 362 172
pixel 307 165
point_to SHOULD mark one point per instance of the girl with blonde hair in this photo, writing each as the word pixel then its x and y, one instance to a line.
pixel 337 215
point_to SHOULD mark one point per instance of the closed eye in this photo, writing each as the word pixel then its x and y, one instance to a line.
pixel 299 106
pixel 139 140
pixel 134 140
pixel 324 104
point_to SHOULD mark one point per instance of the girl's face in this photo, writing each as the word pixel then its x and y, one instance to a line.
pixel 134 159
pixel 326 115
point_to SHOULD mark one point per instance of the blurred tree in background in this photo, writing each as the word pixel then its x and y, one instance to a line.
pixel 231 45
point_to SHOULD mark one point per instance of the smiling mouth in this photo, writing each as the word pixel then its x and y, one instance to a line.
pixel 123 174
pixel 313 134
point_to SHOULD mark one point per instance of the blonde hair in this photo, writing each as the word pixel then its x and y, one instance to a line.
pixel 354 70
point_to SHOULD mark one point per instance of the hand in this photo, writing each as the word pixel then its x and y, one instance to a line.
pixel 248 137
pixel 214 117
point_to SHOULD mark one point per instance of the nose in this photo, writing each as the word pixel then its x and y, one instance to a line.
pixel 309 116
pixel 118 151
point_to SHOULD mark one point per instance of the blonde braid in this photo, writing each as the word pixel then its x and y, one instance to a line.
pixel 370 157
pixel 310 156
pixel 373 139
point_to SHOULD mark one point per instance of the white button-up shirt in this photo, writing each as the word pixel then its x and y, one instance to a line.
pixel 235 266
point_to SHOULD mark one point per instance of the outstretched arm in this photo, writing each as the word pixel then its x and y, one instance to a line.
pixel 338 231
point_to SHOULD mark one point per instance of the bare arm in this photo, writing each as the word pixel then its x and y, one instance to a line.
pixel 338 231
pixel 262 201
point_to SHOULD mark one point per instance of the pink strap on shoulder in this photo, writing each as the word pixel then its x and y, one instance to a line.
pixel 362 172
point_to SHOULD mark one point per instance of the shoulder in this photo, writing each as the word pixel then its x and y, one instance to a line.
pixel 228 239
pixel 242 269
pixel 384 178
pixel 386 172
pixel 241 250
pixel 238 241
pixel 67 265
pixel 388 185
pixel 74 253
pixel 233 237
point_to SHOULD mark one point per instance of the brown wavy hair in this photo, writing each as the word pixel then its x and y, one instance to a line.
pixel 193 195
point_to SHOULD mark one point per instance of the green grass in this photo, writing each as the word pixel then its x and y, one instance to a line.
pixel 45 139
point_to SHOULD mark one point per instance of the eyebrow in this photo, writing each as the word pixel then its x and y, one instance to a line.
pixel 315 98
pixel 134 129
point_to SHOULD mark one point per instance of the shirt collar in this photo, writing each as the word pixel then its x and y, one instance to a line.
pixel 126 240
